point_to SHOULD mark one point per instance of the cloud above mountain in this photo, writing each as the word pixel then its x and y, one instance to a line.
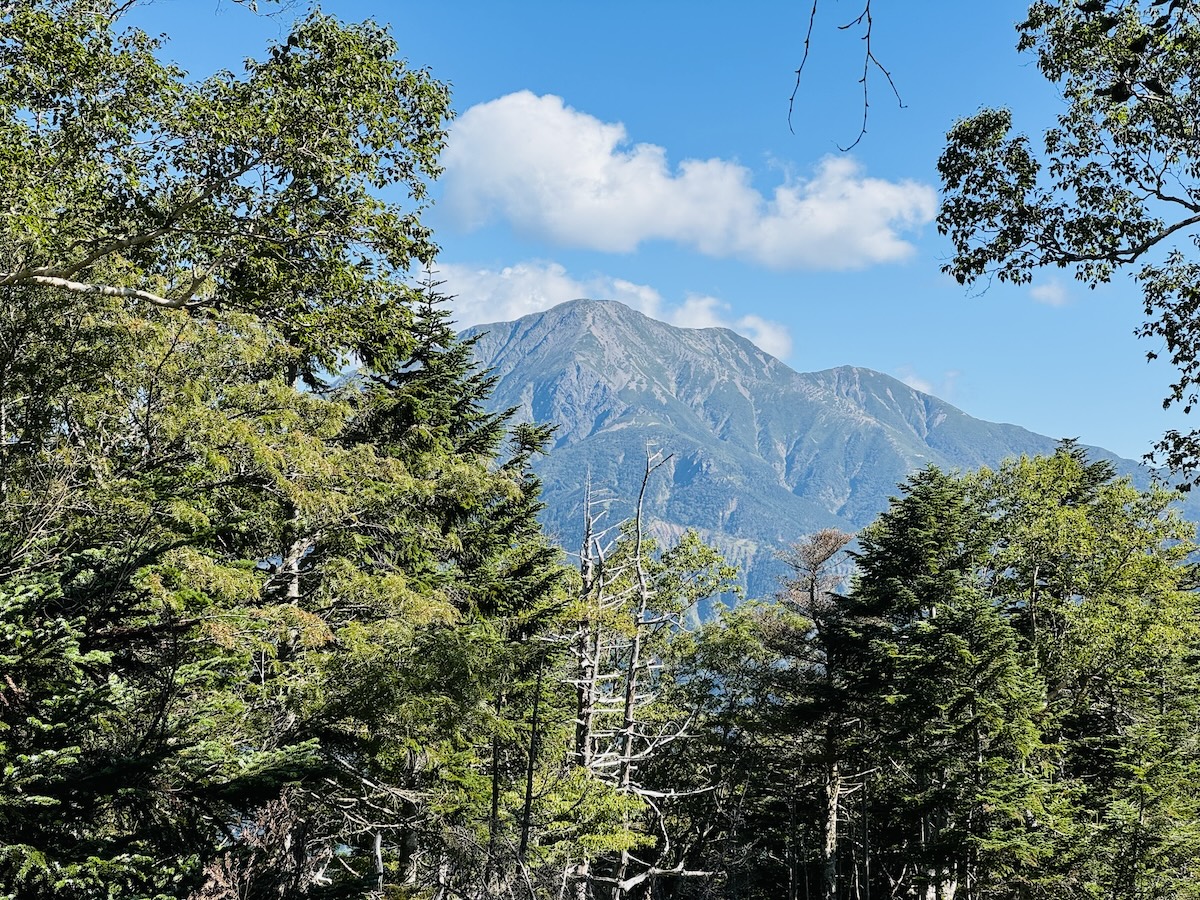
pixel 488 295
pixel 943 387
pixel 568 177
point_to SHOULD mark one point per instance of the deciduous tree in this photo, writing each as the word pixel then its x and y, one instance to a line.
pixel 1111 186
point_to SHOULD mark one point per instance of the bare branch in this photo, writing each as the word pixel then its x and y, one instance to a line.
pixel 869 60
pixel 106 290
pixel 812 17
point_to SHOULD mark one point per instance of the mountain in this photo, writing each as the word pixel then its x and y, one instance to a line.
pixel 759 454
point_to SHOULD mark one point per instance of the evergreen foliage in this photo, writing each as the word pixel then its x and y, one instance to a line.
pixel 984 713
pixel 271 632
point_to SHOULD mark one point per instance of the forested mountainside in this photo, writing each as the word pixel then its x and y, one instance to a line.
pixel 760 455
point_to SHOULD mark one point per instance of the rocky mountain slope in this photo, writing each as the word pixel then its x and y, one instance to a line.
pixel 759 454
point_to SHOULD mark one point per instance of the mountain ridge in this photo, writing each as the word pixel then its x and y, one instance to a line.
pixel 760 454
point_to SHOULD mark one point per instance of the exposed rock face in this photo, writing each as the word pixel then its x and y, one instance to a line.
pixel 760 454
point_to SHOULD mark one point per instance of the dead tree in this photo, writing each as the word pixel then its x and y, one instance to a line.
pixel 622 625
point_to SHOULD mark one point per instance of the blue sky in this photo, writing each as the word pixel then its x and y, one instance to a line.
pixel 641 152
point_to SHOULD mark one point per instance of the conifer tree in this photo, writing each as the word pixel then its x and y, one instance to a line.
pixel 944 700
pixel 464 588
pixel 1093 573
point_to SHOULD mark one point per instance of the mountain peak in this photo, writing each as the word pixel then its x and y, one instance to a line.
pixel 761 454
pixel 603 314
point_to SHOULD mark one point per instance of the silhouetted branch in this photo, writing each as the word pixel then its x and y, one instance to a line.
pixel 812 17
pixel 867 23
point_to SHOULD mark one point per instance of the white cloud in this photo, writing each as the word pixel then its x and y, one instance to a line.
pixel 709 312
pixel 485 295
pixel 943 388
pixel 915 381
pixel 1051 293
pixel 564 175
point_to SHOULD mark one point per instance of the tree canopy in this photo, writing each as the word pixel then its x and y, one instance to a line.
pixel 255 191
pixel 278 619
pixel 1112 185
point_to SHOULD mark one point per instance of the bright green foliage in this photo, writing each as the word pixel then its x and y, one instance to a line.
pixel 267 630
pixel 143 502
pixel 277 619
pixel 470 537
pixel 229 607
pixel 1093 572
pixel 1004 705
pixel 754 763
pixel 1112 185
pixel 253 191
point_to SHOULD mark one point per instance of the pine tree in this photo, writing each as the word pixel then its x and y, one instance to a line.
pixel 945 703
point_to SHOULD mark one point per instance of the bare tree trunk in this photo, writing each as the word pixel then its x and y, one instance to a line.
pixel 792 856
pixel 866 833
pixel 379 861
pixel 581 881
pixel 587 639
pixel 629 724
pixel 829 848
pixel 586 649
pixel 489 866
pixel 442 879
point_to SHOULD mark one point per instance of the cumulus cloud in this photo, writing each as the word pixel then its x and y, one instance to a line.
pixel 709 312
pixel 565 175
pixel 1051 293
pixel 487 295
pixel 943 388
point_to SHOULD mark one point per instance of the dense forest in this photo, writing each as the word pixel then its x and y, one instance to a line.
pixel 277 619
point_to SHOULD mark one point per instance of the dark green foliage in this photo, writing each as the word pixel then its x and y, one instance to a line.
pixel 984 713
pixel 947 703
pixel 268 634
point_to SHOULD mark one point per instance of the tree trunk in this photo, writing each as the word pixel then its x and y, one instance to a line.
pixel 629 724
pixel 531 767
pixel 829 849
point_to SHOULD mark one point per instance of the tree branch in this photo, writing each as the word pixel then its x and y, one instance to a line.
pixel 106 290
pixel 812 17
pixel 869 59
pixel 1131 253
